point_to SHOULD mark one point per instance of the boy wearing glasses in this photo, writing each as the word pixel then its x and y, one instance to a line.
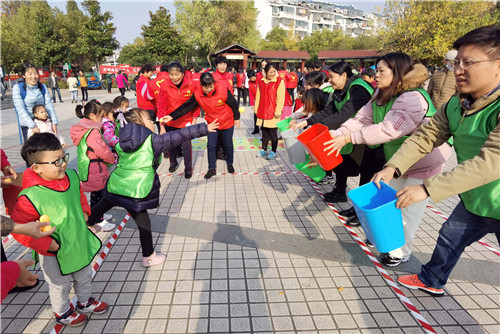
pixel 472 118
pixel 65 256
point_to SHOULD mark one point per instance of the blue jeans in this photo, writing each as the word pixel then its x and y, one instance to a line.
pixel 54 90
pixel 227 140
pixel 459 231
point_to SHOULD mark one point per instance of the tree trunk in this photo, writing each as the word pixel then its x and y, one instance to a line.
pixel 209 62
pixel 97 69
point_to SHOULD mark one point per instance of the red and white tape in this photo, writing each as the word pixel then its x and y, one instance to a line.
pixel 481 241
pixel 111 241
pixel 413 310
pixel 255 173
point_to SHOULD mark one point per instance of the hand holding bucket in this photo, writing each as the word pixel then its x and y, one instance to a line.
pixel 336 144
pixel 314 140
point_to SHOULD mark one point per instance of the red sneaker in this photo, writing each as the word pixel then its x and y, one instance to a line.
pixel 71 318
pixel 414 283
pixel 93 306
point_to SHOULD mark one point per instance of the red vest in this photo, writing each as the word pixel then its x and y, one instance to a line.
pixel 224 79
pixel 252 90
pixel 143 86
pixel 259 75
pixel 267 103
pixel 215 106
pixel 292 80
pixel 172 98
pixel 156 84
pixel 240 79
pixel 283 75
pixel 298 104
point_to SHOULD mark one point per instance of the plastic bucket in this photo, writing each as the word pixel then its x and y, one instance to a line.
pixel 283 125
pixel 295 150
pixel 316 173
pixel 378 215
pixel 313 140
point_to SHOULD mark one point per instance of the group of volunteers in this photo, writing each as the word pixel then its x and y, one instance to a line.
pixel 391 133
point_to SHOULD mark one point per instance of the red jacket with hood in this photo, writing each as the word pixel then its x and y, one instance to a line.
pixel 171 98
pixel 24 212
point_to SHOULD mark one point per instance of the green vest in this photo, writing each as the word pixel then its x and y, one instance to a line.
pixel 470 133
pixel 83 159
pixel 379 113
pixel 78 245
pixel 347 149
pixel 134 174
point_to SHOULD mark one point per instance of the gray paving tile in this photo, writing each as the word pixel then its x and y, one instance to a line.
pixel 219 325
pixel 344 321
pixel 135 326
pixel 240 325
pixel 112 326
pixel 156 326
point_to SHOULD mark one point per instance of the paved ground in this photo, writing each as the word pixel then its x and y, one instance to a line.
pixel 256 254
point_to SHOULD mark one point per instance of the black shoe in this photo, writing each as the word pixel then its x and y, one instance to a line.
pixel 24 288
pixel 210 173
pixel 188 175
pixel 369 244
pixel 334 197
pixel 173 168
pixel 353 221
pixel 255 132
pixel 230 169
pixel 348 212
pixel 61 101
pixel 392 261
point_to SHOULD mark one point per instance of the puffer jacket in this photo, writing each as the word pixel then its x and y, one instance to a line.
pixel 442 87
pixel 132 136
pixel 24 107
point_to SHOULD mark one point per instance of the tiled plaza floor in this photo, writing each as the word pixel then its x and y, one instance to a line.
pixel 257 254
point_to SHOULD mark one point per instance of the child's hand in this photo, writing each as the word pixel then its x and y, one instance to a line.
pixel 86 216
pixel 213 126
pixel 292 123
pixel 312 163
pixel 298 125
pixel 237 123
pixel 277 116
pixel 54 246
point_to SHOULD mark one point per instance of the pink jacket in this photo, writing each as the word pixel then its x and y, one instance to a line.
pixel 405 116
pixel 98 171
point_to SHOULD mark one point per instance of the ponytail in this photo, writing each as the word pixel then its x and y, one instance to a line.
pixel 134 115
pixel 91 107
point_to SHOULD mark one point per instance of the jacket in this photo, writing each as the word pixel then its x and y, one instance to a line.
pixel 98 171
pixel 132 136
pixel 83 81
pixel 24 211
pixel 24 108
pixel 46 126
pixel 224 80
pixel 72 82
pixel 10 272
pixel 53 82
pixel 442 87
pixel 406 115
pixel 145 98
pixel 171 98
pixel 155 85
pixel 121 81
pixel 468 175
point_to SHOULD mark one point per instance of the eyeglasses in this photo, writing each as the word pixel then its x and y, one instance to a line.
pixel 465 63
pixel 57 163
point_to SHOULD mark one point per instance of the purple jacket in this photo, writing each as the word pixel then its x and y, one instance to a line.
pixel 132 136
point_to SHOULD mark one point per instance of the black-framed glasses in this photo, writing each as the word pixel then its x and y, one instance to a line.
pixel 57 163
pixel 465 63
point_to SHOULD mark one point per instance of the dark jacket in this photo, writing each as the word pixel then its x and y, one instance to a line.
pixel 51 82
pixel 132 136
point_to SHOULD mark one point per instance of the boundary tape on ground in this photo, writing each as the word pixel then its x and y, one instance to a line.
pixel 245 173
pixel 413 310
pixel 111 241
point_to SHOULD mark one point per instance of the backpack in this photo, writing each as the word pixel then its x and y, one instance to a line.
pixel 22 90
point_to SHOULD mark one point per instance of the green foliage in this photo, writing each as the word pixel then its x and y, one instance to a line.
pixel 426 30
pixel 275 39
pixel 135 54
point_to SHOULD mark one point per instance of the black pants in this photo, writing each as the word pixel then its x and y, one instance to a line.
pixel 270 134
pixel 187 151
pixel 242 94
pixel 95 197
pixel 256 128
pixel 290 91
pixel 4 257
pixel 122 91
pixel 109 86
pixel 141 219
pixel 85 93
pixel 373 162
pixel 347 168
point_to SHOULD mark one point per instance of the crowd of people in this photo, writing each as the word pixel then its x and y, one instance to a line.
pixel 385 125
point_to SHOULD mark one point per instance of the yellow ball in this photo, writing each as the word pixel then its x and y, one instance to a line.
pixel 7 180
pixel 46 228
pixel 242 109
pixel 44 218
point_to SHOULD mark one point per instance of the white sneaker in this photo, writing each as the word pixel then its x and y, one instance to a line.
pixel 106 226
pixel 107 216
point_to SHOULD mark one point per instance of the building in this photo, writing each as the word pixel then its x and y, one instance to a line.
pixel 307 16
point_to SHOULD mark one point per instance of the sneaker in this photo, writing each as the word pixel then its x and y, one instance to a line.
pixel 71 318
pixel 254 132
pixel 210 173
pixel 369 243
pixel 106 226
pixel 262 154
pixel 230 169
pixel 327 180
pixel 172 169
pixel 153 260
pixel 188 175
pixel 348 212
pixel 271 156
pixel 414 283
pixel 392 261
pixel 92 306
pixel 353 221
pixel 334 197
pixel 107 216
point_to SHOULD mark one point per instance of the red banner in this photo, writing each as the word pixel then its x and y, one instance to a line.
pixel 114 69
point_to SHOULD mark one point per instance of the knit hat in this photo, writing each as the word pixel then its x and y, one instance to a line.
pixel 451 55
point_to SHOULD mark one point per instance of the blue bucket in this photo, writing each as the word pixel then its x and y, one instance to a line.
pixel 378 215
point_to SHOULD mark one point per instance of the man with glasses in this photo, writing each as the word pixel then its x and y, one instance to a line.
pixel 472 118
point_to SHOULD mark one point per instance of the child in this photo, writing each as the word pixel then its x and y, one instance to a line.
pixel 50 189
pixel 122 103
pixel 134 184
pixel 44 123
pixel 252 91
pixel 93 154
pixel 369 76
pixel 108 126
pixel 298 100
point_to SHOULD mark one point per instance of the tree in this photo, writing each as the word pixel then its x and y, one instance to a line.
pixel 161 39
pixel 275 39
pixel 97 38
pixel 426 30
pixel 69 27
pixel 135 54
pixel 323 40
pixel 9 8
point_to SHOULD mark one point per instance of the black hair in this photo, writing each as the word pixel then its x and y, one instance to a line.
pixel 314 78
pixel 36 106
pixel 342 67
pixel 26 67
pixel 313 100
pixel 317 64
pixel 119 99
pixel 301 90
pixel 400 64
pixel 119 71
pixel 91 107
pixel 206 79
pixel 292 69
pixel 282 68
pixel 176 65
pixel 109 107
pixel 220 60
pixel 485 38
pixel 369 72
pixel 197 69
pixel 38 143
pixel 269 66
pixel 250 73
pixel 164 68
pixel 147 68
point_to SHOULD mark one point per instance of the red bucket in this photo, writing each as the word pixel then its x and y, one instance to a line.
pixel 313 140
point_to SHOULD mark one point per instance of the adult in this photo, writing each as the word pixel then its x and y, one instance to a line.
pixel 109 81
pixel 442 85
pixel 472 119
pixel 269 102
pixel 292 82
pixel 399 106
pixel 83 85
pixel 27 93
pixel 54 86
pixel 121 83
pixel 176 89
pixel 145 100
pixel 219 105
pixel 262 72
pixel 73 87
pixel 221 75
